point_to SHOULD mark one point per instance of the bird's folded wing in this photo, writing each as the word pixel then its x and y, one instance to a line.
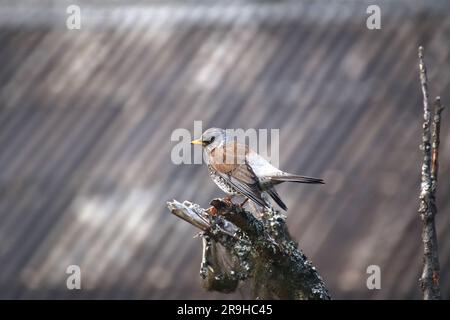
pixel 230 162
pixel 244 180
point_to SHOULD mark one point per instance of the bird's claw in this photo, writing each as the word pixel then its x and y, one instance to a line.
pixel 212 211
pixel 228 200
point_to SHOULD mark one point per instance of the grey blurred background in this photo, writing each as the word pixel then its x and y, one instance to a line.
pixel 86 118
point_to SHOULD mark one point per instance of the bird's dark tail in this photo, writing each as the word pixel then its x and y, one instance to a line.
pixel 287 177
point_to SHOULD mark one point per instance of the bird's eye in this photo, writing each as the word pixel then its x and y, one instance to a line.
pixel 212 139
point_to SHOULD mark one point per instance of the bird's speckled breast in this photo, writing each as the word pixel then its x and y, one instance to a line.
pixel 221 182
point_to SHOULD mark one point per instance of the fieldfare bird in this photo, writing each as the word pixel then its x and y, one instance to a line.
pixel 238 170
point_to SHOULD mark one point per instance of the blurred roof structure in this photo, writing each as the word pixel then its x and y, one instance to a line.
pixel 86 118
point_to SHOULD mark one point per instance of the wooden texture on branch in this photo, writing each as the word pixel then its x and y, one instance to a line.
pixel 253 248
pixel 429 279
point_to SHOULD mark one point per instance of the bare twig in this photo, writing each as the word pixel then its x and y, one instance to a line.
pixel 239 247
pixel 429 280
pixel 435 136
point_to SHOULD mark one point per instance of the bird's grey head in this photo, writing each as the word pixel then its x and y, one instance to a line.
pixel 211 138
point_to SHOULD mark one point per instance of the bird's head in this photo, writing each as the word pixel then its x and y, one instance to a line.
pixel 211 138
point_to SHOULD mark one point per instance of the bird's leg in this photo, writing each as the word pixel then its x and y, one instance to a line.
pixel 229 199
pixel 212 211
pixel 244 202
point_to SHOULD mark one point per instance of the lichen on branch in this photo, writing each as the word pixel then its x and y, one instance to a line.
pixel 429 279
pixel 250 248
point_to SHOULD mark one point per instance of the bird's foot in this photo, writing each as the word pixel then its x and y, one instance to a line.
pixel 212 211
pixel 228 199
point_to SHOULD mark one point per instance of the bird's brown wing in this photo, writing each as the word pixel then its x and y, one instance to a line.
pixel 231 164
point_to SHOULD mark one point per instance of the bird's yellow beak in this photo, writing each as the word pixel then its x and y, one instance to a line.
pixel 198 141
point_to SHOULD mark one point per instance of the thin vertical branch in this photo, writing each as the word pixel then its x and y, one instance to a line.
pixel 429 280
pixel 435 141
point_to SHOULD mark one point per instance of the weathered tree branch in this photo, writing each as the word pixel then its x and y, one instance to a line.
pixel 429 280
pixel 244 247
pixel 435 141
